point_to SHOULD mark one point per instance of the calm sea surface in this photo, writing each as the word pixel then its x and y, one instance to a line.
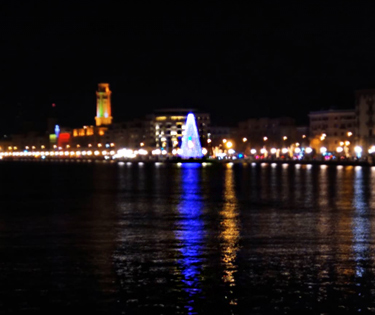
pixel 102 238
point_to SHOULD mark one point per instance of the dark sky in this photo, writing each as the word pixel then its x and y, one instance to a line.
pixel 267 58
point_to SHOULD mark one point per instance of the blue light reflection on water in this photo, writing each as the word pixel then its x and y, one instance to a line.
pixel 190 231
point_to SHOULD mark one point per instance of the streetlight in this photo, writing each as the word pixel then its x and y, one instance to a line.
pixel 349 133
pixel 244 139
pixel 265 138
pixel 358 151
pixel 229 144
pixel 285 138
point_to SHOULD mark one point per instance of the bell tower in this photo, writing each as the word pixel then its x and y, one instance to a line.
pixel 103 105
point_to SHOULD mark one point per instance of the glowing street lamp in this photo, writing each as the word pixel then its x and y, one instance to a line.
pixel 339 149
pixel 244 139
pixel 358 151
pixel 265 138
pixel 285 138
pixel 308 150
pixel 349 133
pixel 253 151
pixel 229 144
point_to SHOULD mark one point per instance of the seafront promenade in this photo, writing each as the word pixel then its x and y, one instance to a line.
pixel 176 160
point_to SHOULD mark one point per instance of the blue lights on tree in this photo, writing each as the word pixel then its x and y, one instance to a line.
pixel 57 131
pixel 191 146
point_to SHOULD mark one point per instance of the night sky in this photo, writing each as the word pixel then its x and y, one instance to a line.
pixel 235 61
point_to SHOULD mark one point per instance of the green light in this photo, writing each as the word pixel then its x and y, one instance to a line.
pixel 52 138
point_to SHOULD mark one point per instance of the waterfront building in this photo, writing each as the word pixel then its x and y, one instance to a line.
pixel 95 136
pixel 220 133
pixel 167 127
pixel 303 135
pixel 130 134
pixel 220 137
pixel 365 112
pixel 333 131
pixel 33 140
pixel 258 133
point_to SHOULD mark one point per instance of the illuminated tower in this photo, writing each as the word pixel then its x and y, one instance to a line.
pixel 103 105
pixel 191 146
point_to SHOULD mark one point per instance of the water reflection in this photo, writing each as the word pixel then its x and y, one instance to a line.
pixel 230 233
pixel 361 224
pixel 190 231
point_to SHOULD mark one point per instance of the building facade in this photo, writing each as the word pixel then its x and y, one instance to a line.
pixel 95 136
pixel 365 112
pixel 167 127
pixel 331 129
pixel 267 133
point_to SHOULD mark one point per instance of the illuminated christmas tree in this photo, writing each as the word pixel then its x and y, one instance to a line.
pixel 191 146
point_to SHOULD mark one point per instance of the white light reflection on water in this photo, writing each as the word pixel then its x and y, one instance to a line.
pixel 190 231
pixel 360 224
pixel 229 234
